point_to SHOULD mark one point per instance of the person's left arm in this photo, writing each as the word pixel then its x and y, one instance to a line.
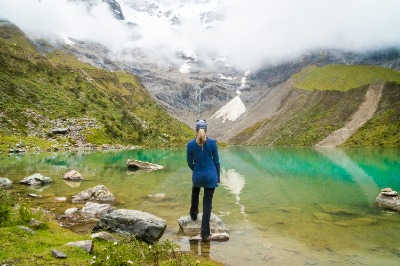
pixel 216 160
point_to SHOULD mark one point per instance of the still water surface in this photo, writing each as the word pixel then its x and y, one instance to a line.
pixel 300 206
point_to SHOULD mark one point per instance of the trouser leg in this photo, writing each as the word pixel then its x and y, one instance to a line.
pixel 194 208
pixel 207 207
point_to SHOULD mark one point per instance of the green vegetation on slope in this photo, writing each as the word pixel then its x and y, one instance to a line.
pixel 342 77
pixel 383 129
pixel 306 120
pixel 39 93
pixel 329 96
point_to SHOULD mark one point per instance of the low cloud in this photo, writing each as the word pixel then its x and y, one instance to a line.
pixel 248 33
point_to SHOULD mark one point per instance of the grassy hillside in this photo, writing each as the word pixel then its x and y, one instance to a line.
pixel 326 99
pixel 342 77
pixel 383 129
pixel 39 93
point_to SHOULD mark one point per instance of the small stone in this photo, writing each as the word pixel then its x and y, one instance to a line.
pixel 27 229
pixel 84 244
pixel 73 175
pixel 58 254
pixel 60 199
pixel 71 211
pixel 36 196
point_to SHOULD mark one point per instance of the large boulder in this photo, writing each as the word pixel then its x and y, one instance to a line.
pixel 140 165
pixel 5 182
pixel 98 194
pixel 141 225
pixel 190 227
pixel 388 199
pixel 36 180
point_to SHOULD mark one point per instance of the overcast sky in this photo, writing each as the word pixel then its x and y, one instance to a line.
pixel 251 33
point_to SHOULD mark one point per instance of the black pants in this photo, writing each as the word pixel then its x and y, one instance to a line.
pixel 207 207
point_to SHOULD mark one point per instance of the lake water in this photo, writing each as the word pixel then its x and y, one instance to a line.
pixel 300 206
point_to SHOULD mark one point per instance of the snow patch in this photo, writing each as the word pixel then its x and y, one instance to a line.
pixel 226 78
pixel 67 41
pixel 231 111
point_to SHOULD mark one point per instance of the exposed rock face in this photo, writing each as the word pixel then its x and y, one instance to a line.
pixel 140 165
pixel 95 210
pixel 142 225
pixel 190 227
pixel 388 199
pixel 5 182
pixel 58 254
pixel 98 193
pixel 73 175
pixel 36 180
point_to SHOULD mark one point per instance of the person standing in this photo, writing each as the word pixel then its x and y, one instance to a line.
pixel 203 160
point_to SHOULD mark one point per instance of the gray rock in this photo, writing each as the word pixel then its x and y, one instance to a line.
pixel 27 229
pixel 98 193
pixel 60 130
pixel 105 236
pixel 388 199
pixel 36 196
pixel 83 244
pixel 36 180
pixel 95 210
pixel 58 254
pixel 35 223
pixel 190 227
pixel 71 211
pixel 140 165
pixel 73 175
pixel 5 182
pixel 142 225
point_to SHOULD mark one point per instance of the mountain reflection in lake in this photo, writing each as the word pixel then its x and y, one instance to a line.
pixel 281 205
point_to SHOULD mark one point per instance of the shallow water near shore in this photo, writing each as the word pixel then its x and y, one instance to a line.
pixel 281 205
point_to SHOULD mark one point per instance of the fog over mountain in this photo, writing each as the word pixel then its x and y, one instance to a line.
pixel 244 34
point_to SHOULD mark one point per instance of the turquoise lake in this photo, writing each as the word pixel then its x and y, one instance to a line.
pixel 300 206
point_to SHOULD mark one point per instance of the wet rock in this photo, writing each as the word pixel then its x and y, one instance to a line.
pixel 97 194
pixel 335 210
pixel 86 245
pixel 388 199
pixel 323 216
pixel 36 180
pixel 73 175
pixel 140 165
pixel 58 254
pixel 5 182
pixel 142 225
pixel 357 222
pixel 95 210
pixel 190 227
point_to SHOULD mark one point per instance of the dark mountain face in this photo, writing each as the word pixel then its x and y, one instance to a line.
pixel 113 4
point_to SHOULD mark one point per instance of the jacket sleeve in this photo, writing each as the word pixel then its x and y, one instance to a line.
pixel 216 161
pixel 189 157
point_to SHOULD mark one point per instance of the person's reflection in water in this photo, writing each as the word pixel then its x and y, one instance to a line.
pixel 205 248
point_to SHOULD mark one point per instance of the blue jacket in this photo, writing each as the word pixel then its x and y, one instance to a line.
pixel 204 162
